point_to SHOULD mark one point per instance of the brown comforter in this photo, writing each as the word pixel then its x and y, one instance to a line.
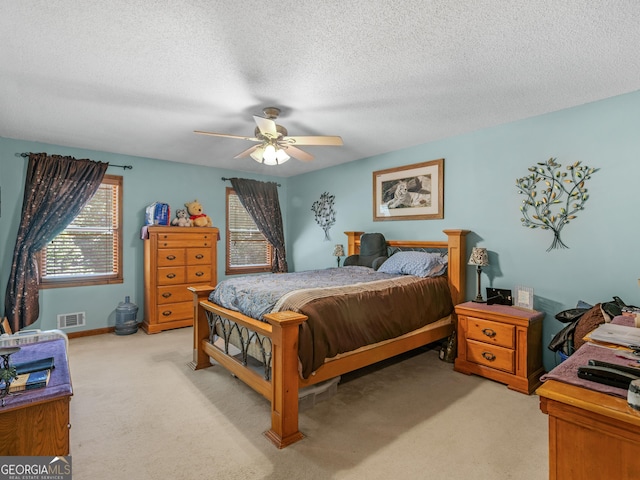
pixel 342 319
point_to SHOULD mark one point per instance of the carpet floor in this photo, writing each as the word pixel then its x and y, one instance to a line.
pixel 139 412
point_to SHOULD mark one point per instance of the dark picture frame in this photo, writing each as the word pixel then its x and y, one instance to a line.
pixel 411 192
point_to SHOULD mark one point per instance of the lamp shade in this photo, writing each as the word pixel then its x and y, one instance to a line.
pixel 479 256
pixel 338 251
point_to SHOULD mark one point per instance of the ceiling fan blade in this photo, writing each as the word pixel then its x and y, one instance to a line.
pixel 297 153
pixel 226 135
pixel 248 151
pixel 266 126
pixel 314 140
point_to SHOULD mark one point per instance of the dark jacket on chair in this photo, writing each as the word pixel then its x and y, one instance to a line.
pixel 373 251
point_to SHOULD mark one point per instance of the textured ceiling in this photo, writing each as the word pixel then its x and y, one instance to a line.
pixel 138 76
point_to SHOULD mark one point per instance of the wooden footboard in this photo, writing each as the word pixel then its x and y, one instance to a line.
pixel 281 389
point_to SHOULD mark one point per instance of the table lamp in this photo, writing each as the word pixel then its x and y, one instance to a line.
pixel 479 258
pixel 338 251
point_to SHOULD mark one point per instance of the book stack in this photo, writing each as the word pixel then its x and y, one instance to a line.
pixel 32 374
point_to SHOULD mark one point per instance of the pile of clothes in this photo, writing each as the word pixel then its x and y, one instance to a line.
pixel 582 320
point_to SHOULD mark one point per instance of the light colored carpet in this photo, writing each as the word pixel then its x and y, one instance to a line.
pixel 140 412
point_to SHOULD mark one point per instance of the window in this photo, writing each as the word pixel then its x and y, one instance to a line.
pixel 248 251
pixel 89 250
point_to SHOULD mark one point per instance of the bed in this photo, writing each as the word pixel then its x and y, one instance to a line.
pixel 278 338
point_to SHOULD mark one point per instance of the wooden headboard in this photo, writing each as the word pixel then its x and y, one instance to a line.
pixel 456 246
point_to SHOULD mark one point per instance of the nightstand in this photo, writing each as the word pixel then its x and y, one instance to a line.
pixel 502 343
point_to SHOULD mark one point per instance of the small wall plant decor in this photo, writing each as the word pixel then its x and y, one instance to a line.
pixel 553 197
pixel 325 215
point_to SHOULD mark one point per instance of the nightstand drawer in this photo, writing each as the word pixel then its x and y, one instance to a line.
pixel 491 356
pixel 491 332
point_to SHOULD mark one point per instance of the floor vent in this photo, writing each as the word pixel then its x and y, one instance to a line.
pixel 68 320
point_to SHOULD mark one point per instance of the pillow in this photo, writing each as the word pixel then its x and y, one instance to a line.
pixel 421 264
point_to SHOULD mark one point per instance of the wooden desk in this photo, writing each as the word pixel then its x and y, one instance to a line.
pixel 36 423
pixel 592 435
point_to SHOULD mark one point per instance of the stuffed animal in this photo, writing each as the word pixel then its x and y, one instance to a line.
pixel 182 218
pixel 198 219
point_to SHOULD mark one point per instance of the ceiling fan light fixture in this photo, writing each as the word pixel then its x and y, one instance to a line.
pixel 269 155
pixel 274 145
pixel 281 156
pixel 257 154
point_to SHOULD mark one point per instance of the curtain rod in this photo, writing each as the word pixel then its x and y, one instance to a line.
pixel 224 179
pixel 125 167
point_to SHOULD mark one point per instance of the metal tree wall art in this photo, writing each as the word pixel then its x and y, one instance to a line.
pixel 553 197
pixel 325 215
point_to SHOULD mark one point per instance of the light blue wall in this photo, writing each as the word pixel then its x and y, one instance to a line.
pixel 149 180
pixel 480 195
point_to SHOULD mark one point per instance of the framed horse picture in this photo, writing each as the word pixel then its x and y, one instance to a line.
pixel 412 192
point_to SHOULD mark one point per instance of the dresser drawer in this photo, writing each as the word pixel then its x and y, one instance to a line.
pixel 198 274
pixel 174 294
pixel 175 311
pixel 494 333
pixel 171 275
pixel 491 355
pixel 185 240
pixel 171 256
pixel 198 256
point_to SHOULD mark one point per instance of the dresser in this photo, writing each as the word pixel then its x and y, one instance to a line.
pixel 176 258
pixel 500 342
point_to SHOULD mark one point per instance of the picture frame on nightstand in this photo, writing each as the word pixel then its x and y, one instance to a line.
pixel 523 297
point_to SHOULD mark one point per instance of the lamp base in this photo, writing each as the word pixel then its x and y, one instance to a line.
pixel 479 300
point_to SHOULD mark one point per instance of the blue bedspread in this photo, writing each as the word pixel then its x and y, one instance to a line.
pixel 255 295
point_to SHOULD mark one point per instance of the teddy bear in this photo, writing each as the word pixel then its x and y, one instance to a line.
pixel 182 218
pixel 198 219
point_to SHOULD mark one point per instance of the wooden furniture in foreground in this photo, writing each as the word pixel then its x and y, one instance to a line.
pixel 591 434
pixel 176 258
pixel 502 343
pixel 282 329
pixel 36 422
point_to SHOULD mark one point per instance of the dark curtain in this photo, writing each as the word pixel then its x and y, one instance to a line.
pixel 260 200
pixel 55 191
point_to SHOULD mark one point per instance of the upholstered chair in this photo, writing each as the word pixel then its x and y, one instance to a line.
pixel 373 251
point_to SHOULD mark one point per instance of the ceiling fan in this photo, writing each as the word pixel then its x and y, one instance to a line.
pixel 274 146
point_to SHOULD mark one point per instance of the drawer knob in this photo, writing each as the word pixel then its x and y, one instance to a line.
pixel 488 332
pixel 489 356
pixel 166 313
pixel 171 275
pixel 166 294
pixel 199 256
pixel 171 257
pixel 199 274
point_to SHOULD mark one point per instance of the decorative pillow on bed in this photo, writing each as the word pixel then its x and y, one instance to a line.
pixel 421 264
